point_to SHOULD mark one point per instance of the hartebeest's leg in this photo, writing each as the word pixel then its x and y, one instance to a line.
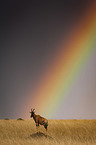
pixel 46 131
pixel 37 126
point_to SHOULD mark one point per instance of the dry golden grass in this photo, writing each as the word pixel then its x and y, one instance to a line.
pixel 60 132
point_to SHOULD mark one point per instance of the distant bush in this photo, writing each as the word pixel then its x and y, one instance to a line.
pixel 6 119
pixel 20 119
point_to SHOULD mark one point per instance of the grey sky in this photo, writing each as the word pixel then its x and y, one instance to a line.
pixel 31 32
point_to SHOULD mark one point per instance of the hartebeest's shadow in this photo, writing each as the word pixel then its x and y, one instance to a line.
pixel 40 135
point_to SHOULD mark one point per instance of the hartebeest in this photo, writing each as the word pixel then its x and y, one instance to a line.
pixel 39 120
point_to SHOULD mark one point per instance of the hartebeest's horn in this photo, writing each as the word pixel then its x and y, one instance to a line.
pixel 33 109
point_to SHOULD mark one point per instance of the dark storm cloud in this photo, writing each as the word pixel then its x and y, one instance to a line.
pixel 30 34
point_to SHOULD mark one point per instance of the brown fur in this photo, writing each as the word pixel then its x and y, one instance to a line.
pixel 39 120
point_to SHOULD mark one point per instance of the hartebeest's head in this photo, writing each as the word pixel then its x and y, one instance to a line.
pixel 32 112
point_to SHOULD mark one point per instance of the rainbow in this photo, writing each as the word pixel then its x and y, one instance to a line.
pixel 64 71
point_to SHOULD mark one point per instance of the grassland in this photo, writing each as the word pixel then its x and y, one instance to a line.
pixel 60 132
